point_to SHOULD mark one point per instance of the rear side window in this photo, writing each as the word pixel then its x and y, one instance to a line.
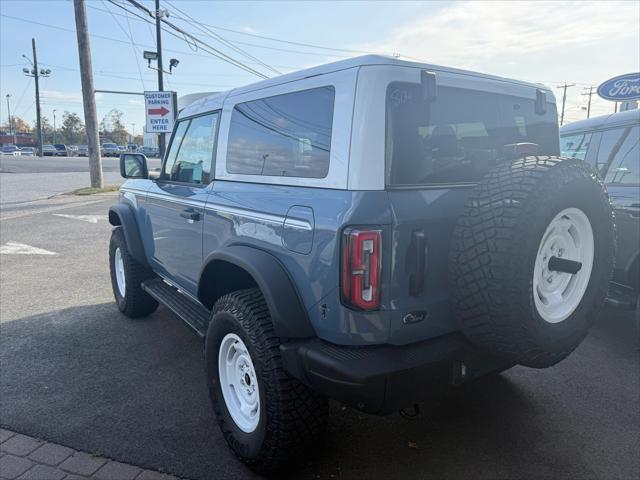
pixel 286 135
pixel 621 162
pixel 575 146
pixel 458 137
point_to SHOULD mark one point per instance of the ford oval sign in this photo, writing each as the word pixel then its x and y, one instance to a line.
pixel 621 88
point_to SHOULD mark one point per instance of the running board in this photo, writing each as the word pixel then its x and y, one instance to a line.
pixel 191 312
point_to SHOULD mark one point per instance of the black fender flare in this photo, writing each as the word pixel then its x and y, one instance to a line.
pixel 289 317
pixel 121 215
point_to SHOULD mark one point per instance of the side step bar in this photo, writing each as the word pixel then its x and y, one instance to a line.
pixel 190 311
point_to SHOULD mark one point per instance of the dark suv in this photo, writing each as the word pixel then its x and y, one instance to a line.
pixel 363 231
pixel 611 144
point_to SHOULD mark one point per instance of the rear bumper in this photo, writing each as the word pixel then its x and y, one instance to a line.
pixel 384 378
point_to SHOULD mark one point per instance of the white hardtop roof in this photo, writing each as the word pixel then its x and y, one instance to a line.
pixel 603 121
pixel 201 104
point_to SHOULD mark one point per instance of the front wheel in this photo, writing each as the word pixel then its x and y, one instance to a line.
pixel 127 275
pixel 267 417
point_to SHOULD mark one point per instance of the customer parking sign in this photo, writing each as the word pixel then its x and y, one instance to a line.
pixel 160 109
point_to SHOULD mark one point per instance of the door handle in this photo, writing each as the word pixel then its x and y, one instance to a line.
pixel 190 214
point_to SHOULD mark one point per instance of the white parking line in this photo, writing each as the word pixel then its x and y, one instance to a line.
pixel 83 218
pixel 14 248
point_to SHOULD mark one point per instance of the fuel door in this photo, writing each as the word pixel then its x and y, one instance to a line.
pixel 298 229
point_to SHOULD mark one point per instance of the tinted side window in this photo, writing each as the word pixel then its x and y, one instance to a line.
pixel 625 164
pixel 610 143
pixel 458 137
pixel 575 146
pixel 286 135
pixel 191 152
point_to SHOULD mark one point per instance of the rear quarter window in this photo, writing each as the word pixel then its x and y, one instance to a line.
pixel 286 135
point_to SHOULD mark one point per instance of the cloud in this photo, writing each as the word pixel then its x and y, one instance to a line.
pixel 470 34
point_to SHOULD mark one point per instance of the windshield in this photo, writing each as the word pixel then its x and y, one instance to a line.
pixel 109 145
pixel 460 135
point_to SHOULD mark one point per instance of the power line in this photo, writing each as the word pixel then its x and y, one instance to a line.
pixel 117 40
pixel 211 33
pixel 133 46
pixel 202 45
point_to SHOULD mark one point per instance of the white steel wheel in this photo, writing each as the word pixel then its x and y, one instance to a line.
pixel 118 265
pixel 239 383
pixel 557 294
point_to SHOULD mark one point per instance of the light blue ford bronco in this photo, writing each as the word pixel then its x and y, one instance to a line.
pixel 365 231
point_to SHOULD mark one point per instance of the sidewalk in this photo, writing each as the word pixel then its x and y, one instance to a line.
pixel 27 458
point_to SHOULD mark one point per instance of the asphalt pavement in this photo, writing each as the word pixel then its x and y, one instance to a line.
pixel 74 371
pixel 32 181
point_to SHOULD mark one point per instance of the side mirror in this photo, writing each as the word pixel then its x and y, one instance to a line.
pixel 133 165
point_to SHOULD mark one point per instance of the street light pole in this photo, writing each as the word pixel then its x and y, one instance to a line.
pixel 12 128
pixel 55 137
pixel 36 74
pixel 161 143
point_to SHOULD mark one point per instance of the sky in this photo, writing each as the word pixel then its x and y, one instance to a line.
pixel 581 43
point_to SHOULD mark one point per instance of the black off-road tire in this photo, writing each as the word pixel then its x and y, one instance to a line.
pixel 291 414
pixel 494 247
pixel 136 302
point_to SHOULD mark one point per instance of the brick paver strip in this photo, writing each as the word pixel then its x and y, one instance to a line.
pixel 51 454
pixel 27 458
pixel 5 434
pixel 20 445
pixel 117 471
pixel 82 464
pixel 153 475
pixel 43 472
pixel 12 467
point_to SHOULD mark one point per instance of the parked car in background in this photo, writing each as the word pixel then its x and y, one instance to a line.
pixel 72 150
pixel 83 151
pixel 150 152
pixel 49 150
pixel 10 150
pixel 610 143
pixel 110 150
pixel 133 147
pixel 27 151
pixel 122 149
pixel 61 150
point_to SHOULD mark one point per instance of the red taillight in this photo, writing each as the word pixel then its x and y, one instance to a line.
pixel 361 262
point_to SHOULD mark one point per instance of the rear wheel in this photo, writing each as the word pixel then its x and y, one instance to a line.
pixel 531 259
pixel 267 417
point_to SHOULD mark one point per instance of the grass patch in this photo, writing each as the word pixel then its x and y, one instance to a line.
pixel 93 190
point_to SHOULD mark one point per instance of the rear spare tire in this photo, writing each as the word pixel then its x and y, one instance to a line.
pixel 531 259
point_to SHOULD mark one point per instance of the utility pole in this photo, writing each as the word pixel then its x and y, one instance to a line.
pixel 12 127
pixel 564 99
pixel 589 94
pixel 88 94
pixel 161 144
pixel 55 137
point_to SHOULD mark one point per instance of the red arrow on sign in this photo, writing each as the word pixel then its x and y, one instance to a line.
pixel 158 111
